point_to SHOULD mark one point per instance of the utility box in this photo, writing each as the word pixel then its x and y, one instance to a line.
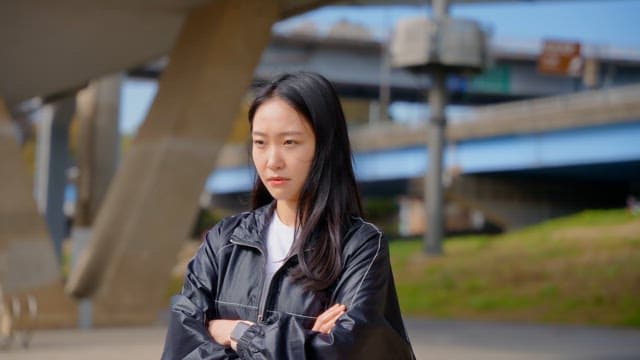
pixel 421 44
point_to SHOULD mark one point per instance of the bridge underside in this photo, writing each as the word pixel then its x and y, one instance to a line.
pixel 150 205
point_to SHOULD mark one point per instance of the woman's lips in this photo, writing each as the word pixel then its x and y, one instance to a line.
pixel 277 180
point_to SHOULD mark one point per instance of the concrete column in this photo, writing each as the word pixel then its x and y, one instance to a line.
pixel 28 263
pixel 97 160
pixel 98 145
pixel 52 163
pixel 24 240
pixel 152 202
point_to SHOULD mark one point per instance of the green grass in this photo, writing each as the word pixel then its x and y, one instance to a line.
pixel 579 269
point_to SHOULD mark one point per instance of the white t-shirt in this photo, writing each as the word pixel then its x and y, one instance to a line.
pixel 279 240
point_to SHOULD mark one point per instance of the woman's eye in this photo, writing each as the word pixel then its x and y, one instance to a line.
pixel 290 142
pixel 258 142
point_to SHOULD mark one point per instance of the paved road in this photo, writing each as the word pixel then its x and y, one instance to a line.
pixel 434 339
pixel 431 339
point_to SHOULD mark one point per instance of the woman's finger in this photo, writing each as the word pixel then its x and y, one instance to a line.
pixel 326 321
pixel 332 320
pixel 327 326
pixel 330 312
pixel 334 310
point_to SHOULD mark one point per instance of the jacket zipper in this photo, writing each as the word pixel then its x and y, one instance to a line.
pixel 263 299
pixel 266 290
pixel 237 241
pixel 266 285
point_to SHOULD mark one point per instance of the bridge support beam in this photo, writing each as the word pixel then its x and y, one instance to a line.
pixel 97 160
pixel 28 263
pixel 98 145
pixel 153 199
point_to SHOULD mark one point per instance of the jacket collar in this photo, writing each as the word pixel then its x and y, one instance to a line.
pixel 252 229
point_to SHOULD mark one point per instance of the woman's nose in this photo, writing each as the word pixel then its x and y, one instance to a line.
pixel 274 159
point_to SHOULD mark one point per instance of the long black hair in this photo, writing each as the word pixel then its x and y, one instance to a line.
pixel 329 196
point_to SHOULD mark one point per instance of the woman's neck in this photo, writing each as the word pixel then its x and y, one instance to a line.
pixel 286 212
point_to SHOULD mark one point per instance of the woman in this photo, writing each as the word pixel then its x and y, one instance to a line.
pixel 302 275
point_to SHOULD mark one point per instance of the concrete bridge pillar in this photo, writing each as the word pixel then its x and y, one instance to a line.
pixel 151 204
pixel 97 159
pixel 28 264
pixel 98 145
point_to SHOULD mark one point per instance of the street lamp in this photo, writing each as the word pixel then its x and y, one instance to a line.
pixel 437 46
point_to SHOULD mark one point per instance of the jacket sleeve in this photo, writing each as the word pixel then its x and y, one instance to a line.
pixel 188 335
pixel 372 327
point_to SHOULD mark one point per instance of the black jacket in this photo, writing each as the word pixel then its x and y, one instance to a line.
pixel 226 280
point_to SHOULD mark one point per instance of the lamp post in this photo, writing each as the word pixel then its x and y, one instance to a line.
pixel 437 46
pixel 433 187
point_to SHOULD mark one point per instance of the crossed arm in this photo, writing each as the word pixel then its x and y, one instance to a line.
pixel 221 329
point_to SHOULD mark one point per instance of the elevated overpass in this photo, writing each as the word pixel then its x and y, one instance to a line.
pixel 362 71
pixel 563 145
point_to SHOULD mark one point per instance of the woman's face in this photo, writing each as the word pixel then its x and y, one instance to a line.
pixel 283 146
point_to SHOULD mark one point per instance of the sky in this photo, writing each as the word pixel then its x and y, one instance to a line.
pixel 602 23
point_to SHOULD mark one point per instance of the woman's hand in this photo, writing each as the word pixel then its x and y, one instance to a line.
pixel 327 320
pixel 221 329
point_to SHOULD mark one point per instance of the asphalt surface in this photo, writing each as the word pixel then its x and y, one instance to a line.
pixel 431 339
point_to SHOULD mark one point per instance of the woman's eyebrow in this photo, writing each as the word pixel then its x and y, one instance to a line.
pixel 284 133
pixel 292 132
